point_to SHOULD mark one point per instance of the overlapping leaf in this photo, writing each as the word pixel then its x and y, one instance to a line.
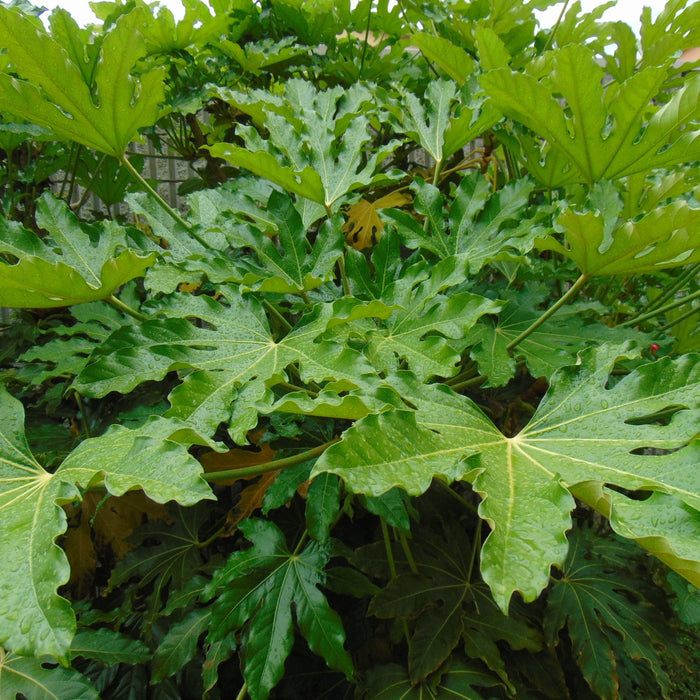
pixel 610 625
pixel 554 344
pixel 33 618
pixel 582 432
pixel 602 130
pixel 287 266
pixel 79 263
pixel 235 349
pixel 261 585
pixel 482 226
pixel 54 93
pixel 665 237
pixel 27 677
pixel 316 143
pixel 445 121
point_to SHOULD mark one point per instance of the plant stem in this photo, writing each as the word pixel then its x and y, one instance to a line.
pixel 277 315
pixel 83 414
pixel 573 290
pixel 408 553
pixel 364 46
pixel 556 26
pixel 242 692
pixel 344 276
pixel 392 569
pixel 273 466
pixel 468 383
pixel 124 308
pixel 661 310
pixel 680 319
pixel 476 546
pixel 163 204
pixel 671 290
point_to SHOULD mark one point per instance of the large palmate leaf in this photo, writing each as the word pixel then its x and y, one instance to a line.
pixel 26 676
pixel 259 587
pixel 604 129
pixel 392 682
pixel 445 121
pixel 78 263
pixel 448 607
pixel 316 142
pixel 665 237
pixel 610 625
pixel 67 353
pixel 33 618
pixel 55 94
pixel 288 266
pixel 481 226
pixel 235 349
pixel 584 432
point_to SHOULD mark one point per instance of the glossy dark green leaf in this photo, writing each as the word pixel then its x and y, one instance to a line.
pixel 605 616
pixel 261 585
pixel 179 645
pixel 108 647
pixel 322 506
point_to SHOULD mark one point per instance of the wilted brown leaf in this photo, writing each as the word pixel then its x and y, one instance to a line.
pixel 363 227
pixel 92 536
pixel 250 500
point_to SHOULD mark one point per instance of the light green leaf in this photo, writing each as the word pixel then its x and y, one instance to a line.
pixel 417 334
pixel 482 226
pixel 664 526
pixel 554 344
pixel 392 449
pixel 317 140
pixel 79 263
pixel 33 618
pixel 27 676
pixel 261 585
pixel 235 348
pixel 582 432
pixel 604 129
pixel 54 94
pixel 665 237
pixel 291 264
pixel 456 62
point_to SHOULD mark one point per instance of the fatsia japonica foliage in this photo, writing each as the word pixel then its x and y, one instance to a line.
pixel 401 397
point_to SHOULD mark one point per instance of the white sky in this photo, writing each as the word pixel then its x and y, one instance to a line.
pixel 626 10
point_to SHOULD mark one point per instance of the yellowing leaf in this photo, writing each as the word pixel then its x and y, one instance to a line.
pixel 251 499
pixel 363 227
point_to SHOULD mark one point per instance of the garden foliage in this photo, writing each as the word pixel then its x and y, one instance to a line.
pixel 403 402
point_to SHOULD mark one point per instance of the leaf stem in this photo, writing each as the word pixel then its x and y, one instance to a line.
pixel 243 691
pixel 277 315
pixel 572 291
pixel 344 276
pixel 408 553
pixel 162 203
pixel 469 383
pixel 273 466
pixel 392 569
pixel 680 319
pixel 451 492
pixel 364 46
pixel 476 546
pixel 124 308
pixel 556 26
pixel 671 290
pixel 661 309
